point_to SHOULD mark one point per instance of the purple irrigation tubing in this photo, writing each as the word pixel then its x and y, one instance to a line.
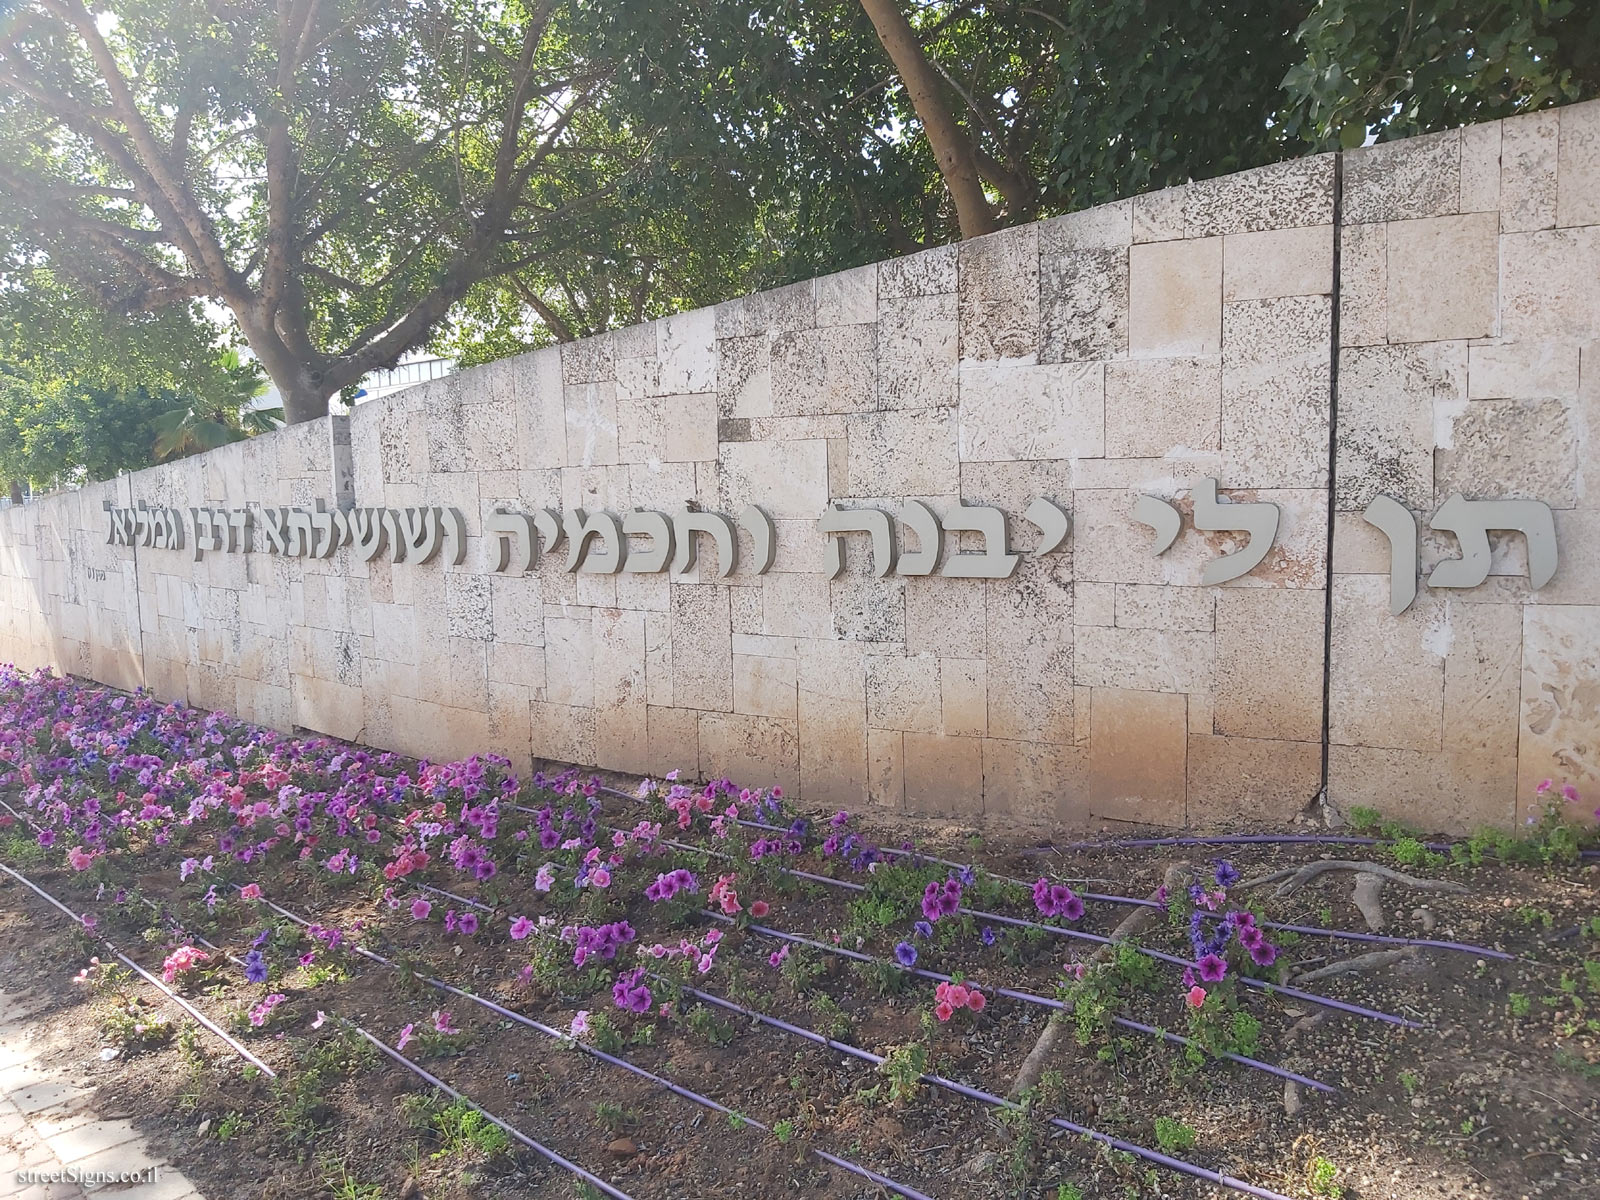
pixel 1029 998
pixel 677 1089
pixel 147 977
pixel 1350 935
pixel 543 1151
pixel 1194 1170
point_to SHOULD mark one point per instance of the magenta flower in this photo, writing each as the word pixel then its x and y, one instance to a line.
pixel 468 923
pixel 420 910
pixel 1212 968
pixel 404 1038
pixel 521 928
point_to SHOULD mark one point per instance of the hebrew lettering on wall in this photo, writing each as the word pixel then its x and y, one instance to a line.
pixel 910 541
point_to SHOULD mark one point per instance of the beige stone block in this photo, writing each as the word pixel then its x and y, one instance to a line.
pixel 1386 685
pixel 926 273
pixel 1429 790
pixel 517 664
pixel 1528 145
pixel 644 593
pixel 702 649
pixel 1031 783
pixel 509 726
pixel 1509 449
pixel 1578 166
pixel 797 606
pixel 1139 606
pixel 886 769
pixel 1257 779
pixel 1482 680
pixel 1269 650
pixel 591 410
pixel 596 591
pixel 1560 701
pixel 1175 297
pixel 639 378
pixel 1275 392
pixel 789 481
pixel 895 454
pixel 832 725
pixel 561 733
pixel 1359 548
pixel 1153 406
pixel 848 297
pixel 589 360
pixel 945 617
pixel 964 697
pixel 1012 487
pixel 1480 167
pixel 1094 603
pixel 621 742
pixel 1028 649
pixel 1403 180
pixel 755 752
pixel 674 735
pixel 764 687
pixel 867 609
pixel 1016 411
pixel 1103 227
pixel 1388 398
pixel 658 657
pixel 1138 747
pixel 1083 300
pixel 1551 285
pixel 1522 370
pixel 744 376
pixel 691 428
pixel 1111 547
pixel 943 775
pixel 1159 216
pixel 1148 660
pixel 903 693
pixel 1202 714
pixel 825 371
pixel 1443 278
pixel 744 607
pixel 918 346
pixel 998 278
pixel 569 660
pixel 686 350
pixel 1299 192
pixel 1278 262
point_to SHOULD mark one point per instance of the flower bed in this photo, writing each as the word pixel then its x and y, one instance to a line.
pixel 656 928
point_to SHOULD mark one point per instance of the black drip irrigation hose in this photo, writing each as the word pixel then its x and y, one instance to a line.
pixel 1028 998
pixel 676 1089
pixel 1348 935
pixel 1194 1170
pixel 194 1012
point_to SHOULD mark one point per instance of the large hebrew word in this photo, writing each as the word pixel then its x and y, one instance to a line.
pixel 159 528
pixel 1470 521
pixel 1259 520
pixel 871 521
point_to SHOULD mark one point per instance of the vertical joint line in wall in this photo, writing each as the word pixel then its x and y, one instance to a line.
pixel 138 598
pixel 1333 467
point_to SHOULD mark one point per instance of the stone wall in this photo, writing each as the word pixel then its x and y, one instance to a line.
pixel 1437 312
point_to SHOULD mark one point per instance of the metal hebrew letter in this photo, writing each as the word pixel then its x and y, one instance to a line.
pixel 421 533
pixel 329 531
pixel 1053 524
pixel 111 522
pixel 1260 521
pixel 1161 517
pixel 368 532
pixel 1400 527
pixel 142 528
pixel 300 533
pixel 686 522
pixel 169 533
pixel 548 522
pixel 930 539
pixel 394 530
pixel 274 521
pixel 206 531
pixel 658 528
pixel 1471 520
pixel 835 521
pixel 580 529
pixel 513 536
pixel 455 534
pixel 763 536
pixel 996 561
pixel 240 526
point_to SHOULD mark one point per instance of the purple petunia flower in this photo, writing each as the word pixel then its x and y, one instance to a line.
pixel 1227 874
pixel 255 967
pixel 1212 968
pixel 905 954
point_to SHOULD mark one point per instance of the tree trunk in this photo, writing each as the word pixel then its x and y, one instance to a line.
pixel 304 396
pixel 16 492
pixel 952 149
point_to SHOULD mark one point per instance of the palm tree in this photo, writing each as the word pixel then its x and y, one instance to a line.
pixel 206 422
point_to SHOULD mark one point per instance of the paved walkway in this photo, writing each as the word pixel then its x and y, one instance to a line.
pixel 46 1125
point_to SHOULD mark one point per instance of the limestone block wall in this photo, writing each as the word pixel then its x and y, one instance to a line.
pixel 1420 318
pixel 1469 362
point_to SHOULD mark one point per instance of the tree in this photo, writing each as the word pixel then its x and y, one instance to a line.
pixel 336 173
pixel 1375 67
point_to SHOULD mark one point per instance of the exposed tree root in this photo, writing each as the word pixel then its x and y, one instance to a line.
pixel 1028 1075
pixel 1368 897
pixel 1361 962
pixel 1298 877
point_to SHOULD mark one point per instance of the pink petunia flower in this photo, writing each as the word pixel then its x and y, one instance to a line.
pixel 420 910
pixel 1196 996
pixel 250 891
pixel 404 1039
